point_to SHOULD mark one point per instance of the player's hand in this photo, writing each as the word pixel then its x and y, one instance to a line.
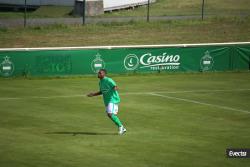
pixel 90 94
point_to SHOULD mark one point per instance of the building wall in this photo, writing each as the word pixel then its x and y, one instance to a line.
pixel 119 4
pixel 92 8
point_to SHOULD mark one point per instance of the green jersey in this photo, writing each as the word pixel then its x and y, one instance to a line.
pixel 110 95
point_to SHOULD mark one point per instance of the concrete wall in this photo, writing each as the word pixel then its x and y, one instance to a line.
pixel 92 7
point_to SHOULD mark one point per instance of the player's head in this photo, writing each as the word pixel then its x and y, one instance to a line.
pixel 102 73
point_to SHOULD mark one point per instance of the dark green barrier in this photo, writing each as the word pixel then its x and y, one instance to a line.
pixel 80 61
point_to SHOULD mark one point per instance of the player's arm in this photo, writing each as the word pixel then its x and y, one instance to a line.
pixel 113 84
pixel 115 87
pixel 94 94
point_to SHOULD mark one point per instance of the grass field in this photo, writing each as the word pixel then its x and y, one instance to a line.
pixel 172 120
pixel 155 32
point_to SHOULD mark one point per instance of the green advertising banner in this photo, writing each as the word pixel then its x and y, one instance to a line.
pixel 80 61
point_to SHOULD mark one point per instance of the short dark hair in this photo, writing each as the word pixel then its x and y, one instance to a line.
pixel 104 70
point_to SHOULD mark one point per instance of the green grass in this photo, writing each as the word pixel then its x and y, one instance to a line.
pixel 41 12
pixel 155 32
pixel 52 11
pixel 74 131
pixel 189 7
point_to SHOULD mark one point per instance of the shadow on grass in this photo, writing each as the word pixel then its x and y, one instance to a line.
pixel 82 133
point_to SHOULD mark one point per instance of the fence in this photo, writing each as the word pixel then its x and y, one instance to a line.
pixel 124 59
pixel 159 10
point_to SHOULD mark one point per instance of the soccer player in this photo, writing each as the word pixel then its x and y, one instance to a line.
pixel 108 89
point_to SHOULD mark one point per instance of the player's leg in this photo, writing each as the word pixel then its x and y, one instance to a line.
pixel 112 110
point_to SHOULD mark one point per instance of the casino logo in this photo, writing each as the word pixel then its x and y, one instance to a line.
pixel 6 67
pixel 153 62
pixel 206 62
pixel 131 62
pixel 97 64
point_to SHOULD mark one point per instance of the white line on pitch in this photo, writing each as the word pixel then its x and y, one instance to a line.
pixel 201 103
pixel 187 91
pixel 127 93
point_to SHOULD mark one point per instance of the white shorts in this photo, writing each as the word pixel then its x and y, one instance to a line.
pixel 112 108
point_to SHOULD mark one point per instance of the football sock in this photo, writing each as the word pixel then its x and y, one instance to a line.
pixel 116 120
